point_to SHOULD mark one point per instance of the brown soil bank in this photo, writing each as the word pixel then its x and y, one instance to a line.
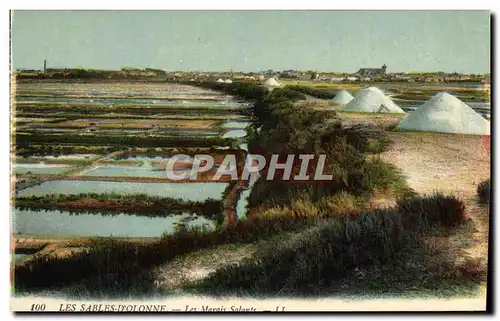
pixel 205 177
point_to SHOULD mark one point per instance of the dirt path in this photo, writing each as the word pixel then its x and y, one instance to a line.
pixel 445 162
pixel 198 265
pixel 452 164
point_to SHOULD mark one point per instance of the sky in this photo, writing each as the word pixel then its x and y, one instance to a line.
pixel 342 41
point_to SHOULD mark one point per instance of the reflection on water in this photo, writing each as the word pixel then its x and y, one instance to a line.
pixel 184 191
pixel 61 223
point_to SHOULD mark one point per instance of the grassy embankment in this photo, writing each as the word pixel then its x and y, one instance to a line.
pixel 115 204
pixel 322 233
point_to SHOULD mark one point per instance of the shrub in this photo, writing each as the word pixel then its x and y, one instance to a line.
pixel 275 212
pixel 338 205
pixel 375 174
pixel 431 211
pixel 475 269
pixel 484 191
pixel 378 146
pixel 302 208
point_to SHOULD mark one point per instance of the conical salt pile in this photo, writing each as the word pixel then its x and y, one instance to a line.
pixel 220 80
pixel 446 113
pixel 228 81
pixel 372 100
pixel 342 98
pixel 271 82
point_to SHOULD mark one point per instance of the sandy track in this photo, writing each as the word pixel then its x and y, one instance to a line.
pixel 446 162
pixel 449 163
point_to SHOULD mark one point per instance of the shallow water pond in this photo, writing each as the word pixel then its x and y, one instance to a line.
pixel 130 171
pixel 188 132
pixel 235 133
pixel 235 124
pixel 142 158
pixel 185 191
pixel 241 205
pixel 17 256
pixel 61 223
pixel 132 101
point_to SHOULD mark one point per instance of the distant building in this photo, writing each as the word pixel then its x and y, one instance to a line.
pixel 372 71
pixel 336 79
pixel 400 76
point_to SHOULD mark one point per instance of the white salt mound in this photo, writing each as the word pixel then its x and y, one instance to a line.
pixel 228 81
pixel 220 80
pixel 372 100
pixel 446 113
pixel 271 82
pixel 343 97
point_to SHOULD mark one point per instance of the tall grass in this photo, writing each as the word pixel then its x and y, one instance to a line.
pixel 312 260
pixel 437 209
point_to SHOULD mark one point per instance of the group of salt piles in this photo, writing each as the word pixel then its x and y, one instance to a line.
pixel 227 81
pixel 443 113
pixel 372 100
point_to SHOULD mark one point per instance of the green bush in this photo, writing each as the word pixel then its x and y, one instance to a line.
pixel 484 191
pixel 374 174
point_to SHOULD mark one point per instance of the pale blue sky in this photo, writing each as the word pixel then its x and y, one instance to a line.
pixel 254 40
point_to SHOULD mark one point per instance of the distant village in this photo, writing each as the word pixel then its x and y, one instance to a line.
pixel 362 75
